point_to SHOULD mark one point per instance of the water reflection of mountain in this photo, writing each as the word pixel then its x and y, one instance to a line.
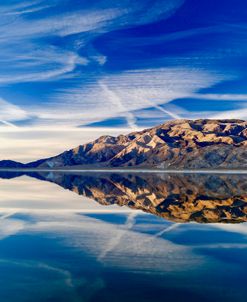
pixel 204 198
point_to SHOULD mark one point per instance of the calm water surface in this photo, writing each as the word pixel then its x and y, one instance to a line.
pixel 122 237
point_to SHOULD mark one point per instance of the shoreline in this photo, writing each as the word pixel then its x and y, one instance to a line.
pixel 117 170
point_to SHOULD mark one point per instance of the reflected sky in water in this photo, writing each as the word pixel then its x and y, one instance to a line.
pixel 56 245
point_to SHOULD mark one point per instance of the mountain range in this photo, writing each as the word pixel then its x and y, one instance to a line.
pixel 177 144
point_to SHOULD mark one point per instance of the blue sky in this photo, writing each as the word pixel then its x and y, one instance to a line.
pixel 70 69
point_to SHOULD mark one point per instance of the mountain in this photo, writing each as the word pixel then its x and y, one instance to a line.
pixel 177 144
pixel 11 164
pixel 203 198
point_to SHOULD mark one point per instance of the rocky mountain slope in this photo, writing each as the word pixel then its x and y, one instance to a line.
pixel 177 144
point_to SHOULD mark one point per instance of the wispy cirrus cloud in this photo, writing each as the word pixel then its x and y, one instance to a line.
pixel 15 7
pixel 235 114
pixel 26 60
pixel 40 64
pixel 10 113
pixel 120 95
pixel 27 56
pixel 24 38
pixel 69 64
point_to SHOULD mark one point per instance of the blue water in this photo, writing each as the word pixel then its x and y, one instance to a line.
pixel 58 246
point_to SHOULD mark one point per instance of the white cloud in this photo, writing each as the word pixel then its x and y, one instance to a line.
pixel 60 25
pixel 220 96
pixel 233 114
pixel 39 64
pixel 27 144
pixel 25 8
pixel 13 7
pixel 121 94
pixel 25 59
pixel 10 113
pixel 26 55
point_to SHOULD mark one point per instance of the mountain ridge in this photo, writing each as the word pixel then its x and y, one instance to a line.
pixel 176 144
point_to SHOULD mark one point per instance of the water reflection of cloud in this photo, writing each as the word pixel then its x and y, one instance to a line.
pixel 112 245
pixel 180 252
pixel 27 194
pixel 138 243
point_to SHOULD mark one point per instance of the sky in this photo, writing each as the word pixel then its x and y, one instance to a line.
pixel 72 70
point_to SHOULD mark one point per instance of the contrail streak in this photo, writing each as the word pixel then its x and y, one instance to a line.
pixel 9 124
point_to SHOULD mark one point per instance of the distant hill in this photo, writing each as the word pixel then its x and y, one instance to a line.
pixel 11 164
pixel 177 144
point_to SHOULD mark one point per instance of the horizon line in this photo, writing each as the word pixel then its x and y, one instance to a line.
pixel 134 170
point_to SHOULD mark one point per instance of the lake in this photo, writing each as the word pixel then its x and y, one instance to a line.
pixel 122 236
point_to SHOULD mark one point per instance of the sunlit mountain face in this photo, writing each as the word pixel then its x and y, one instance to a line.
pixel 72 70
